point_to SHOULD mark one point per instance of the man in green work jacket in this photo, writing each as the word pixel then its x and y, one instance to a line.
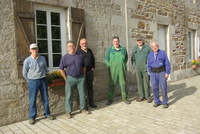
pixel 116 59
pixel 139 62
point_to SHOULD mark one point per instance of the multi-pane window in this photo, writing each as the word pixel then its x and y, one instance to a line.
pixel 49 35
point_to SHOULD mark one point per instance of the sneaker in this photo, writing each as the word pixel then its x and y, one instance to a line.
pixel 156 105
pixel 165 106
pixel 31 121
pixel 50 117
pixel 139 99
pixel 68 115
pixel 109 102
pixel 127 102
pixel 85 112
pixel 149 100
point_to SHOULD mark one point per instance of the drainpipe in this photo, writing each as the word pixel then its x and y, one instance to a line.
pixel 126 26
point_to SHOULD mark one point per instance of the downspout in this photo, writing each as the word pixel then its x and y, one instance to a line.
pixel 126 26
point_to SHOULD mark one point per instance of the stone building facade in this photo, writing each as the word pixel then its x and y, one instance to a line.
pixel 175 24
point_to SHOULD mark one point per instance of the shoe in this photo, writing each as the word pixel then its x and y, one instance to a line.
pixel 31 121
pixel 165 106
pixel 85 112
pixel 50 117
pixel 140 99
pixel 93 105
pixel 109 102
pixel 127 102
pixel 68 115
pixel 156 105
pixel 149 100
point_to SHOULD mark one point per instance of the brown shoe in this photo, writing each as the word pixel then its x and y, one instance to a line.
pixel 31 121
pixel 68 115
pixel 85 112
pixel 50 117
pixel 149 100
pixel 140 99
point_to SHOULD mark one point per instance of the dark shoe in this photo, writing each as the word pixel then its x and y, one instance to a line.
pixel 93 105
pixel 31 121
pixel 68 115
pixel 86 112
pixel 127 102
pixel 156 105
pixel 50 117
pixel 165 106
pixel 140 99
pixel 149 100
pixel 109 102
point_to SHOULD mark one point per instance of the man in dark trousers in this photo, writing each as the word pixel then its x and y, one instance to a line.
pixel 90 66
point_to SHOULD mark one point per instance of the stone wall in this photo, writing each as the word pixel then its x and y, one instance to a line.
pixel 104 19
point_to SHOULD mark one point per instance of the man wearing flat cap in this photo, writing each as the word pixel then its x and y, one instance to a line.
pixel 34 71
pixel 139 62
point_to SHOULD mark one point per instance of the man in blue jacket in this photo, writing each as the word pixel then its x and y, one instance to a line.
pixel 159 69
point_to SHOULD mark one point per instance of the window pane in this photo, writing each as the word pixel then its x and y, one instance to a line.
pixel 55 18
pixel 42 44
pixel 41 32
pixel 55 32
pixel 56 45
pixel 47 58
pixel 41 17
pixel 56 60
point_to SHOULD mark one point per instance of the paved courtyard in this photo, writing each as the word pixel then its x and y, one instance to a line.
pixel 182 116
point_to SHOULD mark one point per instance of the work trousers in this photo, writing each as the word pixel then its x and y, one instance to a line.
pixel 143 82
pixel 71 84
pixel 113 78
pixel 33 87
pixel 159 80
pixel 89 86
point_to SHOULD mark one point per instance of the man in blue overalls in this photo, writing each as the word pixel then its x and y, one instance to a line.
pixel 159 69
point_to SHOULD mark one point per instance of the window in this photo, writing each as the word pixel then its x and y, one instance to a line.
pixel 191 35
pixel 50 33
pixel 162 32
pixel 193 1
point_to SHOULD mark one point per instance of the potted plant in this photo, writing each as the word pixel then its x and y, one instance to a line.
pixel 195 63
pixel 55 78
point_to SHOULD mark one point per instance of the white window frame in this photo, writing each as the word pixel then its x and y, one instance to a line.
pixel 191 44
pixel 63 18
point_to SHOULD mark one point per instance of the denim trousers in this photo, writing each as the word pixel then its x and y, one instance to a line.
pixel 71 84
pixel 33 87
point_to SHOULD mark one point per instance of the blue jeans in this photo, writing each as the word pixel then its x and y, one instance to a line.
pixel 71 84
pixel 33 87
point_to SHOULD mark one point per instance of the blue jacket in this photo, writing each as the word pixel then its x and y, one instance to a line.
pixel 160 60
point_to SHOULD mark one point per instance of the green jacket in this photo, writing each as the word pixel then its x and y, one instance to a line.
pixel 139 56
pixel 116 58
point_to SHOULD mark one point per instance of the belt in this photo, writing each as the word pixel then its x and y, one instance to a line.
pixel 158 69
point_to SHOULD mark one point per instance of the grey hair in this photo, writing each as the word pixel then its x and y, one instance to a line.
pixel 154 42
pixel 70 41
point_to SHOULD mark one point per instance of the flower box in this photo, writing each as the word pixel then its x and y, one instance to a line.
pixel 195 66
pixel 55 79
pixel 56 82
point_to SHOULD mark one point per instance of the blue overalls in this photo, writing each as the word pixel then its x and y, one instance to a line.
pixel 158 78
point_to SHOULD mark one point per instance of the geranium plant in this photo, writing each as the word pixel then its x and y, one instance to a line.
pixel 195 62
pixel 53 75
